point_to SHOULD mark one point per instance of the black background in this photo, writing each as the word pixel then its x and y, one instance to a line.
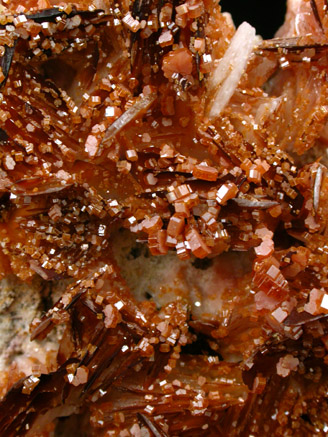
pixel 265 15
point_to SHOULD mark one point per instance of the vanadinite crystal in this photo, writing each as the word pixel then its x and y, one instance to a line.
pixel 161 128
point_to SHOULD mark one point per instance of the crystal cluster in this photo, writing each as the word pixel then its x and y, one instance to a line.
pixel 200 139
